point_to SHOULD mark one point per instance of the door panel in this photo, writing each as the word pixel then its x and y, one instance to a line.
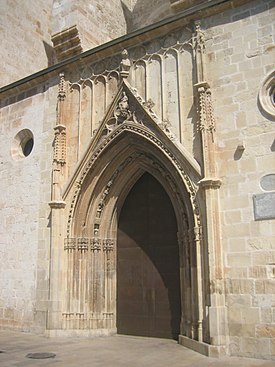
pixel 148 288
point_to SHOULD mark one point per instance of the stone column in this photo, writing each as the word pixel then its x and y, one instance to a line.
pixel 210 185
pixel 57 212
pixel 56 266
pixel 109 270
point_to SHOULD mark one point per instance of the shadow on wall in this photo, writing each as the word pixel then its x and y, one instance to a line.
pixel 143 12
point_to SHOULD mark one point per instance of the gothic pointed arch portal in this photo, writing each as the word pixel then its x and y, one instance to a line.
pixel 148 269
pixel 130 145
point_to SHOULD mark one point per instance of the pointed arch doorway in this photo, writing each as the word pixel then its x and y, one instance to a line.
pixel 148 270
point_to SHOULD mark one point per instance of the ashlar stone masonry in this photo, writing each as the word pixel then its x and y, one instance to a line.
pixel 137 177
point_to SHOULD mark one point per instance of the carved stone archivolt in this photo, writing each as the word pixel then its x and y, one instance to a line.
pixel 129 113
pixel 130 138
pixel 90 245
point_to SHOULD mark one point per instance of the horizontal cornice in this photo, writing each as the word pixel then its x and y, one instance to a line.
pixel 117 45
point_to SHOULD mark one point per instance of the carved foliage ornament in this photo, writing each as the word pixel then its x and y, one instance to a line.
pixel 84 244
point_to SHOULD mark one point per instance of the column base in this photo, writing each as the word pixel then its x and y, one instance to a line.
pixel 77 333
pixel 213 351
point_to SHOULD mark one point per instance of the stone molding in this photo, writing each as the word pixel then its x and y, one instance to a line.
pixel 57 204
pixel 210 183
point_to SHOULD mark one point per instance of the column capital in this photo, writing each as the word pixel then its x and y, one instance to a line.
pixel 57 204
pixel 210 183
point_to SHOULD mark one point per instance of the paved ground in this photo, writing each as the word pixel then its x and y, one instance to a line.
pixel 115 351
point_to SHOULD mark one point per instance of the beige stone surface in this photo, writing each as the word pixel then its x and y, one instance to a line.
pixel 118 351
pixel 25 38
pixel 182 105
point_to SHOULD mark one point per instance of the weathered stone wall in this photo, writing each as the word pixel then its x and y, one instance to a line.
pixel 239 56
pixel 140 13
pixel 26 31
pixel 96 22
pixel 156 77
pixel 25 187
pixel 25 38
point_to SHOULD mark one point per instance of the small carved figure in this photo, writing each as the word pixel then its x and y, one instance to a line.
pixel 125 64
pixel 122 112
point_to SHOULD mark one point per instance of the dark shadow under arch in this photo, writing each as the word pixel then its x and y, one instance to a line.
pixel 148 276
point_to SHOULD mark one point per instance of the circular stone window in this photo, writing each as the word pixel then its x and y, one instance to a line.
pixel 267 94
pixel 22 144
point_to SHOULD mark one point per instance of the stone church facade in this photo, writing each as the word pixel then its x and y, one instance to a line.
pixel 137 172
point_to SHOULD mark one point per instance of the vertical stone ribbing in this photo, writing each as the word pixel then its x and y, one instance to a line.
pixel 209 185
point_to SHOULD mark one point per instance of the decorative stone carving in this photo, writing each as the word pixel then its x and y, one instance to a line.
pixel 132 108
pixel 70 244
pixel 96 229
pixel 68 315
pixel 148 105
pixel 139 130
pixel 110 182
pixel 206 115
pixel 121 114
pixel 103 198
pixel 198 44
pixel 60 129
pixel 59 155
pixel 108 245
pixel 95 244
pixel 125 64
pixel 59 147
pixel 83 244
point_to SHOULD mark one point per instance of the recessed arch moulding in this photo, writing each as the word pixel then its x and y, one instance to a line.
pixel 130 140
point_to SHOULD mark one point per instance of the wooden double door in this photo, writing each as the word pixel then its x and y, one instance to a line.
pixel 148 277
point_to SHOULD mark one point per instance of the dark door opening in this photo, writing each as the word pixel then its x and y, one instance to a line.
pixel 148 279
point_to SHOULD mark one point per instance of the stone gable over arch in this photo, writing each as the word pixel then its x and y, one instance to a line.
pixel 129 115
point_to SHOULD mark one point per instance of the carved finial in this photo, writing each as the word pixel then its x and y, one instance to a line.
pixel 125 64
pixel 198 41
